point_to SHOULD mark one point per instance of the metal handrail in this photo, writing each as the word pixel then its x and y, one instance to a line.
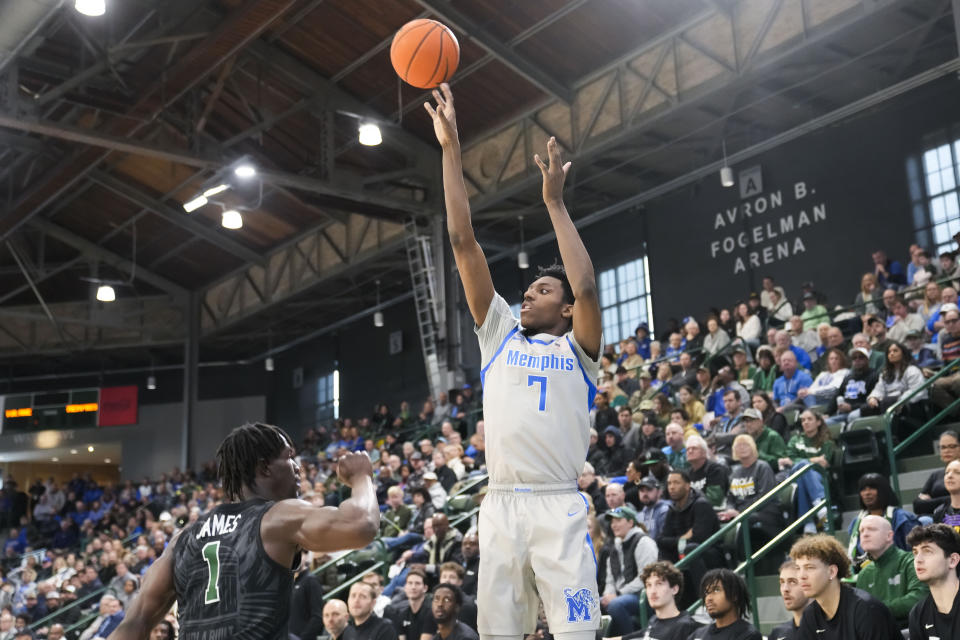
pixel 763 551
pixel 356 578
pixel 888 415
pixel 718 537
pixel 81 623
pixel 470 485
pixel 77 603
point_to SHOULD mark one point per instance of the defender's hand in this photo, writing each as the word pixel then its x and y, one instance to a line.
pixel 352 466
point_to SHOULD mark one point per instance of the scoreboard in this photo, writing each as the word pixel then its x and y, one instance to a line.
pixel 75 409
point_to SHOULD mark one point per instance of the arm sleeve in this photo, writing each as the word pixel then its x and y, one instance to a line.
pixel 314 626
pixel 705 522
pixel 915 590
pixel 913 378
pixel 608 587
pixel 643 554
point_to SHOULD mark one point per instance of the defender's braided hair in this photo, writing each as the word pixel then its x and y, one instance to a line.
pixel 244 451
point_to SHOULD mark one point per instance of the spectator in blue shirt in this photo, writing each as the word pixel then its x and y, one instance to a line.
pixel 785 387
pixel 889 272
pixel 642 333
pixel 783 342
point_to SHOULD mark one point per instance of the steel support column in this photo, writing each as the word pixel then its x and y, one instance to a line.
pixel 191 359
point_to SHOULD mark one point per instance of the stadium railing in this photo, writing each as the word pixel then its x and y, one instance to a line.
pixel 753 557
pixel 889 415
pixel 51 618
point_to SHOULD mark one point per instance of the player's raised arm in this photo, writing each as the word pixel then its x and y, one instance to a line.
pixel 587 325
pixel 352 525
pixel 154 600
pixel 471 263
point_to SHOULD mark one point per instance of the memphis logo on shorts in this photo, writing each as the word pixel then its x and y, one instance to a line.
pixel 579 605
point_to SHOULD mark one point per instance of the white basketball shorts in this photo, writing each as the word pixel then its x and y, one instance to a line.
pixel 535 546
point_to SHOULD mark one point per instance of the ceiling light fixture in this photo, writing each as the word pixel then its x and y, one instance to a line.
pixel 73 451
pixel 726 173
pixel 105 293
pixel 245 171
pixel 151 382
pixel 231 219
pixel 195 204
pixel 90 448
pixel 212 191
pixel 378 315
pixel 369 134
pixel 268 363
pixel 107 460
pixel 523 260
pixel 92 8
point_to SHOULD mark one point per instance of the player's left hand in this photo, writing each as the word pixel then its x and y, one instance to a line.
pixel 554 174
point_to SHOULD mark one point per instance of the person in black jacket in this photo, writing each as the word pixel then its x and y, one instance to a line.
pixel 854 390
pixel 365 624
pixel 306 604
pixel 616 456
pixel 690 521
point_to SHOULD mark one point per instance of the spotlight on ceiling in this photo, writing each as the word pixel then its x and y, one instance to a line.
pixel 105 293
pixel 195 204
pixel 245 171
pixel 231 219
pixel 268 364
pixel 370 134
pixel 91 8
pixel 212 191
pixel 151 383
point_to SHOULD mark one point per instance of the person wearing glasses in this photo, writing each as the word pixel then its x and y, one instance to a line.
pixel 947 389
pixel 934 493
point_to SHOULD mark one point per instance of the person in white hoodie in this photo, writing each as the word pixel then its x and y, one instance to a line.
pixel 631 551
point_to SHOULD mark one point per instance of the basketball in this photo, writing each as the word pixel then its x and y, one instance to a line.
pixel 425 53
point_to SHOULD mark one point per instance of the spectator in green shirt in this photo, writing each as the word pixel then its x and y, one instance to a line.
pixel 890 575
pixel 813 313
pixel 396 518
pixel 812 445
pixel 770 446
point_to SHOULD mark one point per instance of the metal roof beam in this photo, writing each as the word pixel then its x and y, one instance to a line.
pixel 107 257
pixel 515 62
pixel 177 217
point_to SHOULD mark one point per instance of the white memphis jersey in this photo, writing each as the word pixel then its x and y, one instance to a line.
pixel 537 395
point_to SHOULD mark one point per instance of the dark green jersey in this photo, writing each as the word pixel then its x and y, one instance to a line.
pixel 227 586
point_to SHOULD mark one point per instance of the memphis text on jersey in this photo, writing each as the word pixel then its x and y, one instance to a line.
pixel 549 362
pixel 217 525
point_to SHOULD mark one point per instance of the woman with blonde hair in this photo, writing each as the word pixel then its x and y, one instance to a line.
pixel 868 297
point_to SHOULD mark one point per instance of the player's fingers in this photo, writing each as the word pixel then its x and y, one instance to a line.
pixel 566 168
pixel 430 109
pixel 447 94
pixel 438 97
pixel 554 150
pixel 543 167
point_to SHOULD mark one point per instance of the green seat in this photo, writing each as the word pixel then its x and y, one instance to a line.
pixel 873 423
pixel 459 503
pixel 791 416
pixel 835 430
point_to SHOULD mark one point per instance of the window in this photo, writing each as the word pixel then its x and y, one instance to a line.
pixel 625 299
pixel 328 396
pixel 940 178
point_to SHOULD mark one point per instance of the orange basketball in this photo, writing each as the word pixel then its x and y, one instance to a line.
pixel 425 53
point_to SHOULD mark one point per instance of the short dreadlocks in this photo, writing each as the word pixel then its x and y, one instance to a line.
pixel 246 449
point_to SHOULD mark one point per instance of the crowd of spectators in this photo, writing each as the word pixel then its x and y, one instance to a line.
pixel 688 431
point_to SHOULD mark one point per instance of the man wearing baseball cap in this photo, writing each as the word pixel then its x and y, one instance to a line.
pixel 631 551
pixel 770 444
pixel 854 389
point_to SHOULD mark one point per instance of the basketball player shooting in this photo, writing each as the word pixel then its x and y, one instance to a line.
pixel 538 385
pixel 231 572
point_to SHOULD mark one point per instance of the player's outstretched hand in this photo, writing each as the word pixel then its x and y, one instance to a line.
pixel 554 174
pixel 352 466
pixel 444 116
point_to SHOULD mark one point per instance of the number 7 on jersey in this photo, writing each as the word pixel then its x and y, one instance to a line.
pixel 542 381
